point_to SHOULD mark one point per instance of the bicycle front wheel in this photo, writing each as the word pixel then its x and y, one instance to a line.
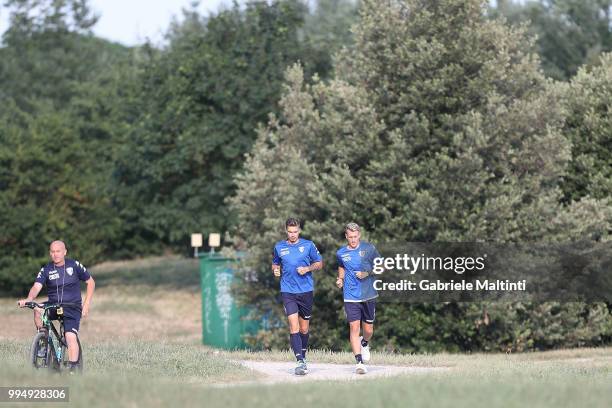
pixel 38 350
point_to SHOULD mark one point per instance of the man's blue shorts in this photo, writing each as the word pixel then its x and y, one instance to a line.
pixel 363 311
pixel 72 318
pixel 300 303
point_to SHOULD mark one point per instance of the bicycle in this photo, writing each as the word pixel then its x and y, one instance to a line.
pixel 55 350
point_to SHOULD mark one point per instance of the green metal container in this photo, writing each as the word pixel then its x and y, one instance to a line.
pixel 222 320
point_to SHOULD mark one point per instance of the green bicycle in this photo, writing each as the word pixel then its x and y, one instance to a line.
pixel 49 347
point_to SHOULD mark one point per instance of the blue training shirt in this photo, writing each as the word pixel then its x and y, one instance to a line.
pixel 68 277
pixel 360 259
pixel 290 257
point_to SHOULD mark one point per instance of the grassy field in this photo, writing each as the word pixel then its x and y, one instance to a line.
pixel 142 348
pixel 164 374
pixel 150 299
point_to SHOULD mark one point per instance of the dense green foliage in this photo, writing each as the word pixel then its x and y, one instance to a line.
pixel 588 126
pixel 570 32
pixel 124 152
pixel 439 126
pixel 429 121
pixel 56 136
pixel 199 102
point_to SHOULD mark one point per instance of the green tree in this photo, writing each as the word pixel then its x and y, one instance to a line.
pixel 48 190
pixel 200 100
pixel 47 50
pixel 328 28
pixel 589 127
pixel 570 32
pixel 56 131
pixel 439 126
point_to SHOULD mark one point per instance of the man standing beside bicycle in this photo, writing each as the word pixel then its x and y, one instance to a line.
pixel 62 277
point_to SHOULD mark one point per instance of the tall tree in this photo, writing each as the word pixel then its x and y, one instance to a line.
pixel 589 127
pixel 200 100
pixel 47 50
pixel 439 126
pixel 55 131
pixel 570 32
pixel 328 28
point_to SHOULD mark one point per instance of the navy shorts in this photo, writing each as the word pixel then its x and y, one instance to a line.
pixel 72 318
pixel 300 303
pixel 363 311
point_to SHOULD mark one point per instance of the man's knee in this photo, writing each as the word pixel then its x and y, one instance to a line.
pixel 294 324
pixel 71 337
pixel 304 325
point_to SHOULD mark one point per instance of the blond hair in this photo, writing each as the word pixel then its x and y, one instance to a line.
pixel 352 226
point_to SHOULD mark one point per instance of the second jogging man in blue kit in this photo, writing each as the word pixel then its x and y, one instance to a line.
pixel 355 277
pixel 294 260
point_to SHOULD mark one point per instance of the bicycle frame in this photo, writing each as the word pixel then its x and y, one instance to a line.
pixel 56 339
pixel 56 343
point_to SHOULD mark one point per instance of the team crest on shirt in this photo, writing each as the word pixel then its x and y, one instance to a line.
pixel 301 249
pixel 362 253
pixel 69 271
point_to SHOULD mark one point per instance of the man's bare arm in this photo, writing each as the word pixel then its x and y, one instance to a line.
pixel 312 267
pixel 340 279
pixel 91 286
pixel 276 269
pixel 34 291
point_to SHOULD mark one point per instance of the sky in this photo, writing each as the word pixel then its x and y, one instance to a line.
pixel 130 22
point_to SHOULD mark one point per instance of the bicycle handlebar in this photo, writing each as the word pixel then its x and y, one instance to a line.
pixel 32 305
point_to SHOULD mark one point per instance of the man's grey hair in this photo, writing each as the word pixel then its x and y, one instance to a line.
pixel 352 226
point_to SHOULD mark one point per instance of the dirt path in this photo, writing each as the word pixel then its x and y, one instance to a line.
pixel 276 372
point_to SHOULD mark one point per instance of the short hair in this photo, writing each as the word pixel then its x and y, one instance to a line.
pixel 352 226
pixel 292 222
pixel 58 241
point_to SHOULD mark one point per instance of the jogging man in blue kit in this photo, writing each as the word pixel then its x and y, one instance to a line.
pixel 294 261
pixel 355 278
pixel 63 276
